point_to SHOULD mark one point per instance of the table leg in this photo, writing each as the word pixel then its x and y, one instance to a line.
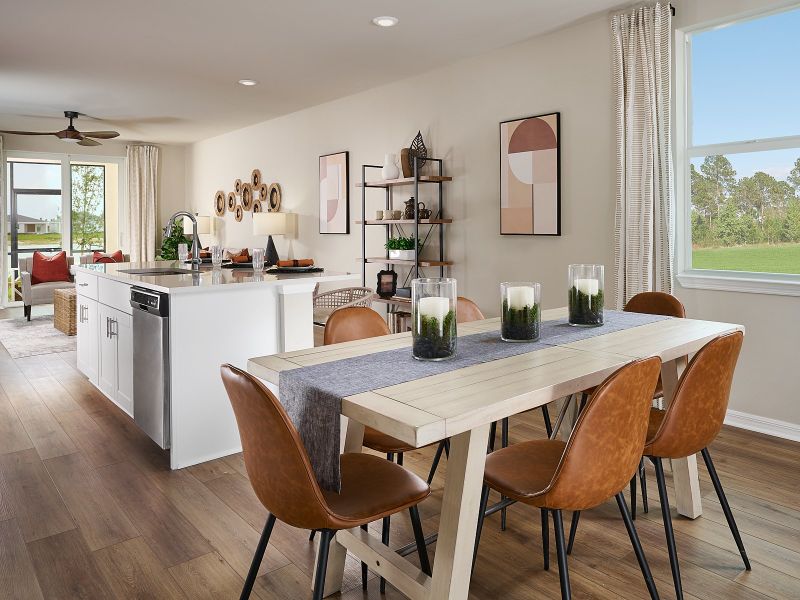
pixel 684 470
pixel 352 438
pixel 459 516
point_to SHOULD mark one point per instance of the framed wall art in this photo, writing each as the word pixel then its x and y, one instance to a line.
pixel 334 193
pixel 530 176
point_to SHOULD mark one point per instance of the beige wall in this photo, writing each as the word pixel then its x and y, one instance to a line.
pixel 458 109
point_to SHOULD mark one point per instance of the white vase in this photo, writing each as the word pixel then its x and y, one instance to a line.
pixel 390 169
pixel 401 254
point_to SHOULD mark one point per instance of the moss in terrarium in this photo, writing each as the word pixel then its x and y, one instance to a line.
pixel 434 341
pixel 520 324
pixel 585 309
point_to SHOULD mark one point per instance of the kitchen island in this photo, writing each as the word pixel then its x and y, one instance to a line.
pixel 210 317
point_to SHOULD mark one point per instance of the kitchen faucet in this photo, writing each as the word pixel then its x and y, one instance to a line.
pixel 195 239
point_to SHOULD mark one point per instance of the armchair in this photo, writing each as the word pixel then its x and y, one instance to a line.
pixel 40 293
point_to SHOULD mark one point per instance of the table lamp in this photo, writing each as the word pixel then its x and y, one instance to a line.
pixel 203 225
pixel 271 223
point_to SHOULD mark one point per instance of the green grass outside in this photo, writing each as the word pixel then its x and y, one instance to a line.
pixel 760 258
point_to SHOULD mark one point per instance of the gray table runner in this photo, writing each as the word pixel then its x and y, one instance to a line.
pixel 312 396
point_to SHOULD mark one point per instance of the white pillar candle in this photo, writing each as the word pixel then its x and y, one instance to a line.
pixel 589 287
pixel 435 307
pixel 520 297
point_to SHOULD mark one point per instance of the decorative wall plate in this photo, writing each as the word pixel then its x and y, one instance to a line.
pixel 237 186
pixel 257 206
pixel 274 197
pixel 247 196
pixel 232 201
pixel 255 178
pixel 263 192
pixel 419 150
pixel 239 213
pixel 219 203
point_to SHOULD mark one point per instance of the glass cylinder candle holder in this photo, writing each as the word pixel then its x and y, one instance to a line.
pixel 521 318
pixel 585 295
pixel 433 309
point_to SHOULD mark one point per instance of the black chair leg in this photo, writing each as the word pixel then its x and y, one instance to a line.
pixel 643 486
pixel 723 500
pixel 322 563
pixel 573 529
pixel 400 458
pixel 364 570
pixel 666 515
pixel 436 458
pixel 546 538
pixel 419 538
pixel 563 573
pixel 311 535
pixel 633 497
pixel 492 436
pixel 637 546
pixel 385 540
pixel 257 558
pixel 481 517
pixel 504 443
pixel 447 448
pixel 548 424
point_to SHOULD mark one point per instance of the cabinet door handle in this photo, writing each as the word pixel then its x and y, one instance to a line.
pixel 83 284
pixel 81 314
pixel 108 327
pixel 113 330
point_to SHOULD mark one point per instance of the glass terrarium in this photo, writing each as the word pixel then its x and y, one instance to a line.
pixel 521 318
pixel 433 309
pixel 585 295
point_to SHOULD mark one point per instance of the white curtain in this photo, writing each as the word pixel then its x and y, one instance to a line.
pixel 142 201
pixel 642 93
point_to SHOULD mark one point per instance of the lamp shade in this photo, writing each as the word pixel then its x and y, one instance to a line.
pixel 270 223
pixel 203 224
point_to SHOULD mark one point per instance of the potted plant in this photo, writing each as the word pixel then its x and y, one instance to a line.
pixel 401 248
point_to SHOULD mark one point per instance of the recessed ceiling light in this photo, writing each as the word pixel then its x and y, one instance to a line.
pixel 385 21
pixel 248 82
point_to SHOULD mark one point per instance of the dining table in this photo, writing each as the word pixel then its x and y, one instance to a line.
pixel 460 405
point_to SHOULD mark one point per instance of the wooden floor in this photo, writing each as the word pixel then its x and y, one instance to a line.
pixel 89 509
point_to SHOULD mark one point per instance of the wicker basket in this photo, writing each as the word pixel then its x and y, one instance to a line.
pixel 65 320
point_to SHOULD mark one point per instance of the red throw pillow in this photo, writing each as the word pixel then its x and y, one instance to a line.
pixel 114 256
pixel 49 268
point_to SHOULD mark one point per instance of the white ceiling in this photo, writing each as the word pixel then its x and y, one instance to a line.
pixel 166 70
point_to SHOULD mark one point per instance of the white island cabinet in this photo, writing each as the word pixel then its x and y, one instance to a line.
pixel 214 317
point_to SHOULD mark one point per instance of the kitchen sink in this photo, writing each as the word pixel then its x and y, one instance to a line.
pixel 157 271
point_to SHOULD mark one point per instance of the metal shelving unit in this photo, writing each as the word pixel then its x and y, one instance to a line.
pixel 396 225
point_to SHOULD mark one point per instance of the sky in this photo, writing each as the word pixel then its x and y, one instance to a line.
pixel 752 64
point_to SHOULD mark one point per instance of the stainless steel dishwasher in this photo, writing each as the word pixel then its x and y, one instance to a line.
pixel 151 366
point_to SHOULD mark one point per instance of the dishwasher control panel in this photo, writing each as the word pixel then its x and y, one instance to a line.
pixel 150 301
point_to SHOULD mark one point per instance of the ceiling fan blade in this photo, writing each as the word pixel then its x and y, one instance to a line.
pixel 100 135
pixel 88 142
pixel 29 132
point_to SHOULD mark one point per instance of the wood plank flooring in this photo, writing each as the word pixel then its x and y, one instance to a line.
pixel 90 509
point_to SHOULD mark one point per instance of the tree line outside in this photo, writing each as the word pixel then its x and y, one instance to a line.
pixel 744 223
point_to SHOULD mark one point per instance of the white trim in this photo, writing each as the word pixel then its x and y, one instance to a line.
pixel 773 427
pixel 744 146
pixel 740 281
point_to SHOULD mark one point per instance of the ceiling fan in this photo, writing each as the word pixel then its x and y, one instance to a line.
pixel 70 134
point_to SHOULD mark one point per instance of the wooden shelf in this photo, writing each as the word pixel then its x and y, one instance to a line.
pixel 405 181
pixel 406 221
pixel 421 263
pixel 392 300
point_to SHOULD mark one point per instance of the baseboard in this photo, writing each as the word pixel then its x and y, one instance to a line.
pixel 781 429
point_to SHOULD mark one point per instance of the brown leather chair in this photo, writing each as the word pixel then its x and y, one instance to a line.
pixel 690 423
pixel 281 475
pixel 597 462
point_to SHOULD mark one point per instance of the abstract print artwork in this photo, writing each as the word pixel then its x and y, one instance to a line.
pixel 530 169
pixel 334 193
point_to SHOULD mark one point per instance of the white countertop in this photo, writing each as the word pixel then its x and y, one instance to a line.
pixel 206 279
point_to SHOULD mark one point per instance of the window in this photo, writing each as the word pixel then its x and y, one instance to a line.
pixel 742 155
pixel 88 207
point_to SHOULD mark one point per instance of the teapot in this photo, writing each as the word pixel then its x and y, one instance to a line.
pixel 423 212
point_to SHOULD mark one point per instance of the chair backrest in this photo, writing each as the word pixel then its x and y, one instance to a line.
pixel 695 415
pixel 354 323
pixel 606 445
pixel 656 303
pixel 467 310
pixel 276 460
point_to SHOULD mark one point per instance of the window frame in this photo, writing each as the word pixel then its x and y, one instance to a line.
pixel 785 284
pixel 72 165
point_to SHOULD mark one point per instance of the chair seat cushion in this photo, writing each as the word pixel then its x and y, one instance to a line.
pixel 372 488
pixel 377 440
pixel 49 268
pixel 524 471
pixel 42 293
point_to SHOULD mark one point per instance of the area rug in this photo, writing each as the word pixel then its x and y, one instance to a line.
pixel 23 338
